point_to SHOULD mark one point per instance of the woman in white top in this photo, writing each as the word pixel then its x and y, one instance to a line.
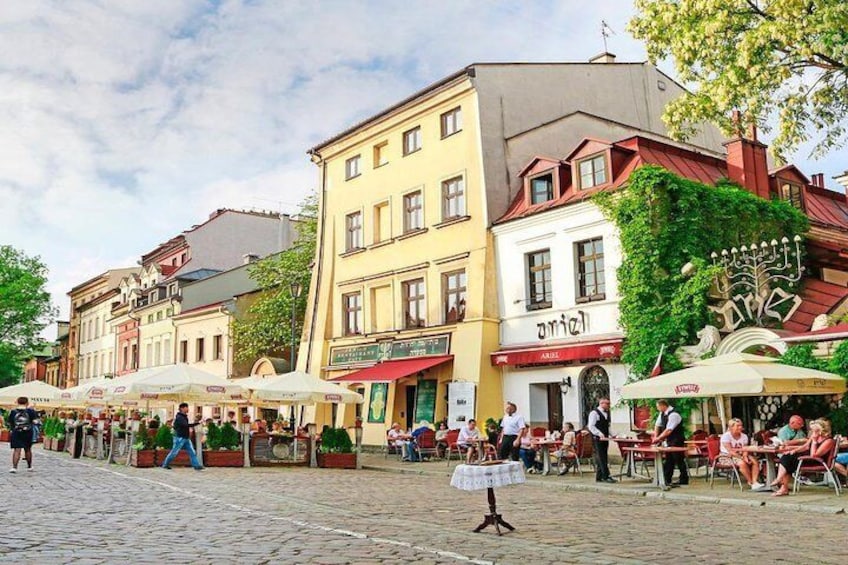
pixel 732 442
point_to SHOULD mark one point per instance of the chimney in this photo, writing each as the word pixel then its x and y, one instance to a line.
pixel 604 57
pixel 818 180
pixel 746 161
pixel 249 258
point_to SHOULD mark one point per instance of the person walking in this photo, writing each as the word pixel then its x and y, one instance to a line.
pixel 22 420
pixel 669 428
pixel 182 439
pixel 599 427
pixel 513 427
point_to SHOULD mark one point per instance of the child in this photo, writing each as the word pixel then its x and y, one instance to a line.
pixel 567 453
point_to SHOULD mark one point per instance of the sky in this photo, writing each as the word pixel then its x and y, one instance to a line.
pixel 125 122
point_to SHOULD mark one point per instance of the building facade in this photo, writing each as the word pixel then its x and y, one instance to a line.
pixel 404 301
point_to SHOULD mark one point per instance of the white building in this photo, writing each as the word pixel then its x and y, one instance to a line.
pixel 97 338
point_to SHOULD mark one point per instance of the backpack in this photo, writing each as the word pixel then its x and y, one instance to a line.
pixel 22 420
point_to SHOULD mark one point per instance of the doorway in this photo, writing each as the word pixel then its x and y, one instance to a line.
pixel 594 385
pixel 410 405
pixel 554 407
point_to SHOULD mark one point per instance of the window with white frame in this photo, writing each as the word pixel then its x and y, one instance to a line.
pixel 353 227
pixel 412 140
pixel 539 289
pixel 454 289
pixel 413 211
pixel 353 167
pixel 593 171
pixel 591 281
pixel 453 198
pixel 542 188
pixel 414 304
pixel 451 122
pixel 352 313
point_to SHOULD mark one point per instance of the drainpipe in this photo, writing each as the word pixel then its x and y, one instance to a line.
pixel 318 160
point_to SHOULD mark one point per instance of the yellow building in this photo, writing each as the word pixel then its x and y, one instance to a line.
pixel 403 300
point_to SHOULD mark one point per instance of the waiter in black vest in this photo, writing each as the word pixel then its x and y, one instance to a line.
pixel 599 426
pixel 669 428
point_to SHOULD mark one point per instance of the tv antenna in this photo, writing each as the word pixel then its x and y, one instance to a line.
pixel 606 31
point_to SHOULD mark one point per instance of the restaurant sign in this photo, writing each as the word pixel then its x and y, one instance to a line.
pixel 688 388
pixel 549 356
pixel 389 350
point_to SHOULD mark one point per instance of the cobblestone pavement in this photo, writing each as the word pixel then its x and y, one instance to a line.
pixel 87 512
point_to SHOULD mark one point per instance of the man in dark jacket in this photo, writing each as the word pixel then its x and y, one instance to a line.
pixel 21 422
pixel 182 439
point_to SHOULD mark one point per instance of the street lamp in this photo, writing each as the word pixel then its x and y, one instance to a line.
pixel 295 290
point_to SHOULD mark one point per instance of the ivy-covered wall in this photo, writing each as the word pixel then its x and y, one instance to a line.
pixel 664 222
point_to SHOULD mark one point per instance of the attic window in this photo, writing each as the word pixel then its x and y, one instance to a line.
pixel 792 194
pixel 542 188
pixel 593 171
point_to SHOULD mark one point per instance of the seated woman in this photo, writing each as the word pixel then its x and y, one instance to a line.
pixel 732 442
pixel 566 454
pixel 441 440
pixel 527 454
pixel 818 444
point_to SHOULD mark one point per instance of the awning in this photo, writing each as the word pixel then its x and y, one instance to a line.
pixel 835 333
pixel 390 371
pixel 551 355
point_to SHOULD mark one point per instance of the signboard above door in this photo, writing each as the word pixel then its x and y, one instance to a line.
pixel 388 350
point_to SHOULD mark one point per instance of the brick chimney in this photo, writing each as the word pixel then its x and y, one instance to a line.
pixel 746 161
pixel 818 180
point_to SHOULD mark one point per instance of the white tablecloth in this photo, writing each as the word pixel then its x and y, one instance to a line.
pixel 477 477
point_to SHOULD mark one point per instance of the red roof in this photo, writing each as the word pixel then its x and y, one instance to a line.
pixel 818 297
pixel 390 371
pixel 837 332
pixel 826 206
pixel 630 153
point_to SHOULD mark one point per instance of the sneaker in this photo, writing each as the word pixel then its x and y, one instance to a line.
pixel 13 470
pixel 30 469
pixel 757 485
pixel 805 481
pixel 199 468
pixel 168 467
pixel 531 471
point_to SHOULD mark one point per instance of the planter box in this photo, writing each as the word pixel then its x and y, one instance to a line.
pixel 143 458
pixel 47 444
pixel 4 435
pixel 210 458
pixel 337 460
pixel 58 444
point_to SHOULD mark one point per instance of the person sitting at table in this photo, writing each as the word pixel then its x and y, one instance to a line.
pixel 396 436
pixel 793 432
pixel 732 442
pixel 527 454
pixel 410 454
pixel 818 444
pixel 566 454
pixel 441 440
pixel 469 432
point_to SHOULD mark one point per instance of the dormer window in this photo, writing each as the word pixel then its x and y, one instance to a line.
pixel 593 171
pixel 542 188
pixel 792 193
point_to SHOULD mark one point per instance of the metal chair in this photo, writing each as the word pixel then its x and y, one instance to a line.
pixel 719 462
pixel 809 465
pixel 425 444
pixel 390 447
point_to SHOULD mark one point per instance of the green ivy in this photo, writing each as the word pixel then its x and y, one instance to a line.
pixel 802 356
pixel 664 222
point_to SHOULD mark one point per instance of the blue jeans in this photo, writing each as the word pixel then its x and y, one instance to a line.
pixel 528 457
pixel 409 450
pixel 179 443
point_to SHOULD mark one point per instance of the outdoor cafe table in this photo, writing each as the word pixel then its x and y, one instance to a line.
pixel 771 453
pixel 629 455
pixel 489 477
pixel 480 447
pixel 659 453
pixel 545 445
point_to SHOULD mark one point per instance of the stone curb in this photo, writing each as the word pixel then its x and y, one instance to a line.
pixel 670 496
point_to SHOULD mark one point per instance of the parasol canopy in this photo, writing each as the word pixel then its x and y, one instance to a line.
pixel 38 392
pixel 298 387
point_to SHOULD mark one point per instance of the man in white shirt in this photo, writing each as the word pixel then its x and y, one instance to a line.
pixel 469 432
pixel 669 428
pixel 513 428
pixel 396 437
pixel 599 427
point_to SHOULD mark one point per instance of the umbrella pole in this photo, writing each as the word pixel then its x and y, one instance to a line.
pixel 721 415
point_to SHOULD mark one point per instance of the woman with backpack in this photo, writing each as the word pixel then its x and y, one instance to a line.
pixel 21 422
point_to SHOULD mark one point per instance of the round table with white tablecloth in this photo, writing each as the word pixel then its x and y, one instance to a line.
pixel 489 477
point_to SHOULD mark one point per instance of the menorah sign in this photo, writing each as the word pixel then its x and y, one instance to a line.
pixel 757 282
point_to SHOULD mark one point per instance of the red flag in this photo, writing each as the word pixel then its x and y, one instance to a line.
pixel 657 370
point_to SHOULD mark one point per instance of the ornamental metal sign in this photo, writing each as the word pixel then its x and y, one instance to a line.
pixel 389 350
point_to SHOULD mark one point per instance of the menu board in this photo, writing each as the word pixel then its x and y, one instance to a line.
pixel 425 401
pixel 460 404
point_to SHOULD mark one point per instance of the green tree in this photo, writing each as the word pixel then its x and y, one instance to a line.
pixel 265 327
pixel 25 309
pixel 771 59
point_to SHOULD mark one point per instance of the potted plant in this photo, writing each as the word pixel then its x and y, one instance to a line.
pixel 54 434
pixel 336 450
pixel 142 453
pixel 223 447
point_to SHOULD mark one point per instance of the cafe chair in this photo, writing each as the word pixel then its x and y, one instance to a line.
pixel 538 432
pixel 719 463
pixel 584 449
pixel 567 456
pixel 809 465
pixel 392 448
pixel 640 459
pixel 453 447
pixel 425 444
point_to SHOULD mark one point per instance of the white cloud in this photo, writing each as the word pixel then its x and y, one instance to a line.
pixel 125 122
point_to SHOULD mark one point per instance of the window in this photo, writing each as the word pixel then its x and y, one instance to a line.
pixel 150 318
pixel 184 351
pixel 172 289
pixel 412 140
pixel 451 122
pixel 382 222
pixel 358 407
pixel 593 172
pixel 125 358
pixel 159 315
pixel 453 198
pixel 792 194
pixel 148 358
pixel 590 269
pixel 414 304
pixel 166 351
pixel 352 319
pixel 158 354
pixel 169 312
pixel 134 356
pixel 453 285
pixel 352 169
pixel 217 351
pixel 96 372
pixel 200 353
pixel 183 258
pixel 539 279
pixel 413 211
pixel 542 189
pixel 381 154
pixel 97 328
pixel 174 262
pixel 353 223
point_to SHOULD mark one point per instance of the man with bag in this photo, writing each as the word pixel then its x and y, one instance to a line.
pixel 22 421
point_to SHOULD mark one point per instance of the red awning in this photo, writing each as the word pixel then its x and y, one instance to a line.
pixel 552 355
pixel 390 371
pixel 835 333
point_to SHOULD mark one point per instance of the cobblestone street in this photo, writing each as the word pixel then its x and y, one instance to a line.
pixel 86 512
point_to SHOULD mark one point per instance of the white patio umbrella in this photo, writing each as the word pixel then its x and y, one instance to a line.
pixel 90 391
pixel 180 383
pixel 37 392
pixel 736 374
pixel 298 387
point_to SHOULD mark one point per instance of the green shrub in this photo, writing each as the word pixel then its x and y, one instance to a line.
pixel 164 438
pixel 213 436
pixel 230 438
pixel 142 439
pixel 335 440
